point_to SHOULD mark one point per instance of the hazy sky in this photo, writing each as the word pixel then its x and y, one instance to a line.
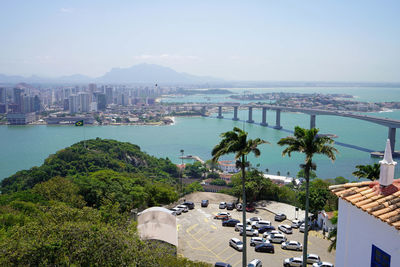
pixel 314 40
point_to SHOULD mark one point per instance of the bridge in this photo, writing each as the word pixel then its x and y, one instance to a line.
pixel 391 124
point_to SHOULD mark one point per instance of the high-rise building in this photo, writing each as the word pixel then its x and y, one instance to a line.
pixel 2 95
pixel 101 102
pixel 84 103
pixel 109 95
pixel 73 104
pixel 17 99
pixel 36 104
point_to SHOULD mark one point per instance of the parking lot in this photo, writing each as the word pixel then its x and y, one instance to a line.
pixel 203 238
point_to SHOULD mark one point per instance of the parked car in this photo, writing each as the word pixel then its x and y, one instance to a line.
pixel 239 207
pixel 266 234
pixel 255 263
pixel 254 241
pixel 249 232
pixel 222 264
pixel 177 211
pixel 276 238
pixel 250 208
pixel 287 229
pixel 230 222
pixel 280 217
pixel 313 258
pixel 253 219
pixel 189 204
pixel 265 247
pixel 266 229
pixel 222 216
pixel 303 226
pixel 292 245
pixel 183 207
pixel 236 244
pixel 230 206
pixel 293 262
pixel 222 205
pixel 258 224
pixel 296 223
pixel 204 203
pixel 238 227
pixel 323 264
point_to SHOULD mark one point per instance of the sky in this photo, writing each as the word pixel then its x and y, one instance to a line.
pixel 281 40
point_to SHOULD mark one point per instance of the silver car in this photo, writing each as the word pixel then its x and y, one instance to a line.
pixel 313 258
pixel 254 241
pixel 249 232
pixel 236 244
pixel 287 229
pixel 292 245
pixel 183 207
pixel 177 211
pixel 323 264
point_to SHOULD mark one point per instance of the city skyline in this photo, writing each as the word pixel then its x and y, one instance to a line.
pixel 259 41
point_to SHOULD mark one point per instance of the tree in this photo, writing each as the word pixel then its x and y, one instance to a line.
pixel 308 142
pixel 333 234
pixel 219 182
pixel 302 174
pixel 370 172
pixel 235 141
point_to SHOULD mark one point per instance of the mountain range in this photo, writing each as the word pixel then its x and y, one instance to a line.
pixel 141 73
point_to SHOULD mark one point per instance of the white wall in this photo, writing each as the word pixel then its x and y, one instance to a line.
pixel 357 232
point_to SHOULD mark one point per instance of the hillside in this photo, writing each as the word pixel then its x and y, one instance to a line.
pixel 98 155
pixel 74 209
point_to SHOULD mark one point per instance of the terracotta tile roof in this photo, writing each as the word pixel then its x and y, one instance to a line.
pixel 381 202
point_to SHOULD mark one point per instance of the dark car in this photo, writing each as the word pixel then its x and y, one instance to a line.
pixel 222 264
pixel 204 203
pixel 267 228
pixel 230 206
pixel 250 208
pixel 280 217
pixel 189 204
pixel 230 222
pixel 265 247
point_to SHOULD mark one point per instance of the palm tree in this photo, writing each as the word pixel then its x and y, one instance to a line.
pixel 370 172
pixel 308 142
pixel 235 141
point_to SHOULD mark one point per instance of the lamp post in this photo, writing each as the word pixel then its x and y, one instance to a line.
pixel 181 172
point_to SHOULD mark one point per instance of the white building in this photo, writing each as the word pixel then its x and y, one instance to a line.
pixel 227 166
pixel 369 220
pixel 324 220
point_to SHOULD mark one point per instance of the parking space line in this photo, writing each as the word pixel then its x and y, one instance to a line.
pixel 225 249
pixel 206 220
pixel 207 249
pixel 213 226
pixel 191 227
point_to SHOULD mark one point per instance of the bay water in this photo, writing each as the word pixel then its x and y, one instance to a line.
pixel 22 147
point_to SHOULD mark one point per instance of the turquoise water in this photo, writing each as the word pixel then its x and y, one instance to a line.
pixel 25 146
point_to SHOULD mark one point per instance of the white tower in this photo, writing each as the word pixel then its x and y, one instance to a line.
pixel 386 175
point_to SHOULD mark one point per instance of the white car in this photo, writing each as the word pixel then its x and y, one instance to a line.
pixel 276 238
pixel 296 223
pixel 253 219
pixel 323 264
pixel 313 258
pixel 222 205
pixel 183 207
pixel 302 227
pixel 287 229
pixel 292 245
pixel 255 263
pixel 177 211
pixel 249 232
pixel 259 224
pixel 238 227
pixel 236 244
pixel 266 234
pixel 293 262
pixel 254 241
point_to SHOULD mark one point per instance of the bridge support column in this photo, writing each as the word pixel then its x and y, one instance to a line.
pixel 203 111
pixel 392 138
pixel 264 117
pixel 220 113
pixel 235 110
pixel 312 121
pixel 250 120
pixel 278 120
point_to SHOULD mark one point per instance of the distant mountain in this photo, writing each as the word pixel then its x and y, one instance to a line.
pixel 142 73
pixel 150 73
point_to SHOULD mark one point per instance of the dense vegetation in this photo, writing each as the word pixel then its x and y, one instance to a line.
pixel 74 209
